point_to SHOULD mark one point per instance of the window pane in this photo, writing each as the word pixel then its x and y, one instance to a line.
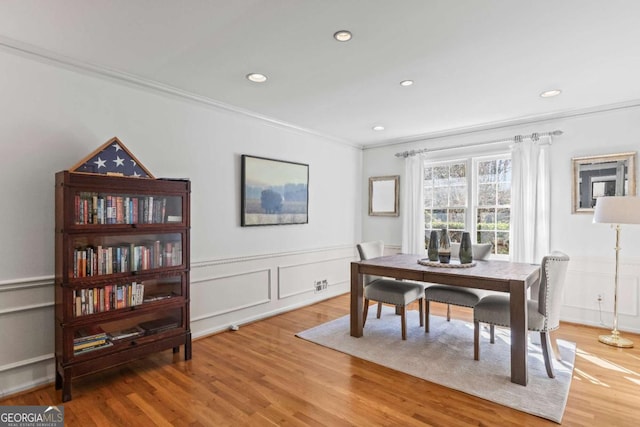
pixel 487 171
pixel 486 219
pixel 504 193
pixel 428 174
pixel 486 194
pixel 487 237
pixel 458 196
pixel 456 219
pixel 440 197
pixel 428 196
pixel 455 236
pixel 439 219
pixel 458 174
pixel 503 218
pixel 502 243
pixel 441 176
pixel 504 170
pixel 427 218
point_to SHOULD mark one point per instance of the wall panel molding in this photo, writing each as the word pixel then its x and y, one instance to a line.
pixel 249 258
pixel 26 283
pixel 27 362
pixel 26 308
pixel 235 307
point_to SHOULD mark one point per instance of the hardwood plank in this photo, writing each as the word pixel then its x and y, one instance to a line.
pixel 262 375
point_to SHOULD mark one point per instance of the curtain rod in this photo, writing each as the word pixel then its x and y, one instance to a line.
pixel 516 139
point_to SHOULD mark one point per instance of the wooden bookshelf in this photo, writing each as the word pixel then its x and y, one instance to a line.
pixel 121 271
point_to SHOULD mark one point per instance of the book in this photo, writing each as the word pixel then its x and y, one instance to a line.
pixel 159 325
pixel 126 333
pixel 92 343
pixel 88 349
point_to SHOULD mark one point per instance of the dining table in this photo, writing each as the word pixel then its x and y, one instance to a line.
pixel 513 278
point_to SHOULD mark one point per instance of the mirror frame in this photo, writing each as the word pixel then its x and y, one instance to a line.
pixel 385 197
pixel 576 162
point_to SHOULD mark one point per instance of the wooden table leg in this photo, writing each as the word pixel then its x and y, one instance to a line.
pixel 518 307
pixel 357 293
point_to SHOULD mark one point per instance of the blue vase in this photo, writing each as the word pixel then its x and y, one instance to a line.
pixel 432 250
pixel 444 251
pixel 466 252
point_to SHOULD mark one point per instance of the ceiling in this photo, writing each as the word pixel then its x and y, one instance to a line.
pixel 475 63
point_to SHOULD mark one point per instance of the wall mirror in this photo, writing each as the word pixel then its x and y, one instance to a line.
pixel 383 195
pixel 596 176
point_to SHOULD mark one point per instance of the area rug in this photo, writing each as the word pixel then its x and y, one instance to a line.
pixel 445 356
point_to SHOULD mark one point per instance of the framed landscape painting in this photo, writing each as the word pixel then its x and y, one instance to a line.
pixel 274 192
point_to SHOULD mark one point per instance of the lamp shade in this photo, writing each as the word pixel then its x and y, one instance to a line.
pixel 617 210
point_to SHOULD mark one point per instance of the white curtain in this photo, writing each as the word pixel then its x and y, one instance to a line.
pixel 412 206
pixel 530 200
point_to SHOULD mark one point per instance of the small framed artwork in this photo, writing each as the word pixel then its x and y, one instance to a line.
pixel 274 192
pixel 384 197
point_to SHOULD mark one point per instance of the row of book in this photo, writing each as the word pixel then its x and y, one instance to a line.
pixel 94 208
pixel 90 339
pixel 94 338
pixel 109 297
pixel 99 260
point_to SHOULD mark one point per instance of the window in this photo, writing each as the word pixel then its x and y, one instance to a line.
pixel 493 211
pixel 470 195
pixel 445 199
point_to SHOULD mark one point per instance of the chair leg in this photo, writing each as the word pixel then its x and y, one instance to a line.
pixel 366 311
pixel 554 347
pixel 492 332
pixel 403 320
pixel 379 310
pixel 421 311
pixel 476 340
pixel 426 316
pixel 448 312
pixel 546 348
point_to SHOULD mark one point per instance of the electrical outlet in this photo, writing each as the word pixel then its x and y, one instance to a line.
pixel 320 285
pixel 600 298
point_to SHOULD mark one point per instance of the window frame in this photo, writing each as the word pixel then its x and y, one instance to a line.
pixel 471 162
pixel 475 194
pixel 449 162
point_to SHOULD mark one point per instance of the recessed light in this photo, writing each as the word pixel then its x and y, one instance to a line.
pixel 378 128
pixel 550 93
pixel 257 77
pixel 342 35
pixel 406 83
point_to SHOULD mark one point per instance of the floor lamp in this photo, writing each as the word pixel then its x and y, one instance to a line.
pixel 617 210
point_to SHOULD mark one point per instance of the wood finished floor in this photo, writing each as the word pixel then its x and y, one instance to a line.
pixel 262 375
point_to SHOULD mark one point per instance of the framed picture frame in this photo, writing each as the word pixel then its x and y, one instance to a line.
pixel 598 176
pixel 274 192
pixel 384 197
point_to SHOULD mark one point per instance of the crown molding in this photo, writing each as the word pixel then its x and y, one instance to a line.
pixel 533 119
pixel 47 56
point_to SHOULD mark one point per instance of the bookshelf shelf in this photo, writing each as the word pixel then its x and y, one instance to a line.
pixel 121 271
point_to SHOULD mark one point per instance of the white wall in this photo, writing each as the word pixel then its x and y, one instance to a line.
pixel 589 245
pixel 53 116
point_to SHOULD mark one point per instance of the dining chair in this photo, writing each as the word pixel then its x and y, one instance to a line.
pixel 388 291
pixel 464 297
pixel 543 309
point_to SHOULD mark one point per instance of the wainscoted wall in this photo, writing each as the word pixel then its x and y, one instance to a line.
pixel 236 291
pixel 591 277
pixel 224 292
pixel 26 335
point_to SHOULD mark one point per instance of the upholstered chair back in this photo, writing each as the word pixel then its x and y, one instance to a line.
pixel 552 278
pixel 369 250
pixel 479 251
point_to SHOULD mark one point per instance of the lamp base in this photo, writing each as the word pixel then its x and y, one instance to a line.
pixel 615 340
